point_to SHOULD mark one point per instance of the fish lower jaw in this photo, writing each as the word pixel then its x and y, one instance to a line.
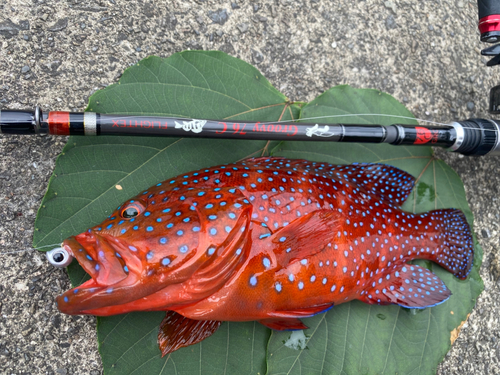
pixel 72 301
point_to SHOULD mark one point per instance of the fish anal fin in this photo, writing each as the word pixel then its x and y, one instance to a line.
pixel 282 324
pixel 177 331
pixel 304 237
pixel 407 285
pixel 388 182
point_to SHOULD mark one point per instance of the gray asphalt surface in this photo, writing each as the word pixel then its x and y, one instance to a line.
pixel 57 53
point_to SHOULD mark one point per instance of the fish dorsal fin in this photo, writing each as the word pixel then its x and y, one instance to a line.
pixel 282 324
pixel 390 183
pixel 407 285
pixel 304 237
pixel 221 260
pixel 177 331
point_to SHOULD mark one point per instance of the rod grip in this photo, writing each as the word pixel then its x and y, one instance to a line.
pixel 480 137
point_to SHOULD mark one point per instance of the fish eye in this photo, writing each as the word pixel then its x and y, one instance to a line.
pixel 131 210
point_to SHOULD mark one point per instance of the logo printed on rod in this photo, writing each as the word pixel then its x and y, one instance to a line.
pixel 425 135
pixel 316 130
pixel 126 123
pixel 196 126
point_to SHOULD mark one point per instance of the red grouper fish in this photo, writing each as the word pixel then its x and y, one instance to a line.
pixel 267 239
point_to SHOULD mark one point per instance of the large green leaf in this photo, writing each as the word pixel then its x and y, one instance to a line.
pixel 94 175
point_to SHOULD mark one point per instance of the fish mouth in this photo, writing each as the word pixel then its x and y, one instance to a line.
pixel 110 266
pixel 98 256
pixel 121 280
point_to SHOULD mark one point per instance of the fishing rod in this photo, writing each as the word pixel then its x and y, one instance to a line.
pixel 469 137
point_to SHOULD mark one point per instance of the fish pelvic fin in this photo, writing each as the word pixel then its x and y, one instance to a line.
pixel 177 331
pixel 289 319
pixel 283 324
pixel 305 312
pixel 407 285
pixel 456 250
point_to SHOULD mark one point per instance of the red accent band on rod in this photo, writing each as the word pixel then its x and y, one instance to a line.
pixel 58 123
pixel 489 23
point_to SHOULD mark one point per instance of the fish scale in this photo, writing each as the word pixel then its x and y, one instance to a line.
pixel 267 239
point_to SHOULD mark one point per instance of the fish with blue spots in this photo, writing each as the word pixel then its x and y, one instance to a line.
pixel 266 239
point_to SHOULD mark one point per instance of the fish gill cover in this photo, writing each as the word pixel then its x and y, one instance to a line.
pixel 95 175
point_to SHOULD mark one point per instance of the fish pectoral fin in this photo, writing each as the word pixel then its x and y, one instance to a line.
pixel 303 313
pixel 177 331
pixel 409 286
pixel 304 237
pixel 282 324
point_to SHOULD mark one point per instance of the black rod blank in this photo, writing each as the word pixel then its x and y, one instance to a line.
pixel 469 137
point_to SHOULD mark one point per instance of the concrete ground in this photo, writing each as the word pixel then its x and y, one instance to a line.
pixel 56 53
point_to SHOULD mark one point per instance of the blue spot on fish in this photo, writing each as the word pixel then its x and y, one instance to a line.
pixel 253 280
pixel 165 261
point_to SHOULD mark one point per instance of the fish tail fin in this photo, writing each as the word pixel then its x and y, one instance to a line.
pixel 456 250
